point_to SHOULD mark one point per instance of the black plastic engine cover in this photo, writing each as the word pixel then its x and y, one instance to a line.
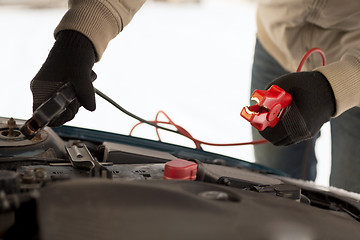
pixel 102 209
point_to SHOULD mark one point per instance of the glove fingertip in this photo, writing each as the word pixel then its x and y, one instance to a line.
pixel 89 102
pixel 90 107
pixel 86 97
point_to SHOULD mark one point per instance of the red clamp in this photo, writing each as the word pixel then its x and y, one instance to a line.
pixel 269 108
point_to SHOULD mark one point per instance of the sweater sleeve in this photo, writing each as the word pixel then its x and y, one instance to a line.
pixel 344 78
pixel 99 20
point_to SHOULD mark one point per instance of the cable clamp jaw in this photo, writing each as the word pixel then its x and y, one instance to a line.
pixel 270 107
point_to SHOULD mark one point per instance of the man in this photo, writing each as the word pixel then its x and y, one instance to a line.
pixel 285 32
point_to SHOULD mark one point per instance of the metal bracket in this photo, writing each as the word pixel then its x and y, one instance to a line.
pixel 80 157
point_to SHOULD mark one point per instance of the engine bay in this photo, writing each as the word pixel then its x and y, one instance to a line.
pixel 79 183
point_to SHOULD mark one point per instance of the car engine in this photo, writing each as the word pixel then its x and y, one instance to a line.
pixel 75 183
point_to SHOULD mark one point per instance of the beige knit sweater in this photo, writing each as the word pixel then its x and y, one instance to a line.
pixel 286 28
pixel 99 20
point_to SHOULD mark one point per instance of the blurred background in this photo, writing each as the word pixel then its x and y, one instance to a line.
pixel 189 58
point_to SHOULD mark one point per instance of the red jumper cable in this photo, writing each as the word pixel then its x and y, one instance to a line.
pixel 270 107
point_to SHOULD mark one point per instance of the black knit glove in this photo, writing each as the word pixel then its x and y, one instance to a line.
pixel 70 60
pixel 313 104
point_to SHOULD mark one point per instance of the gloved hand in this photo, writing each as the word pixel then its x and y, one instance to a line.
pixel 313 104
pixel 70 60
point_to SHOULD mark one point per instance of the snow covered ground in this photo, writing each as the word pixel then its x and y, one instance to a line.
pixel 192 61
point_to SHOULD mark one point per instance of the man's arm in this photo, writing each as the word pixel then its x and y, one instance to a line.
pixel 99 20
pixel 318 96
pixel 81 39
pixel 344 78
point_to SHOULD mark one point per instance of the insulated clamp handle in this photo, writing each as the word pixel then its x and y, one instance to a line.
pixel 48 111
